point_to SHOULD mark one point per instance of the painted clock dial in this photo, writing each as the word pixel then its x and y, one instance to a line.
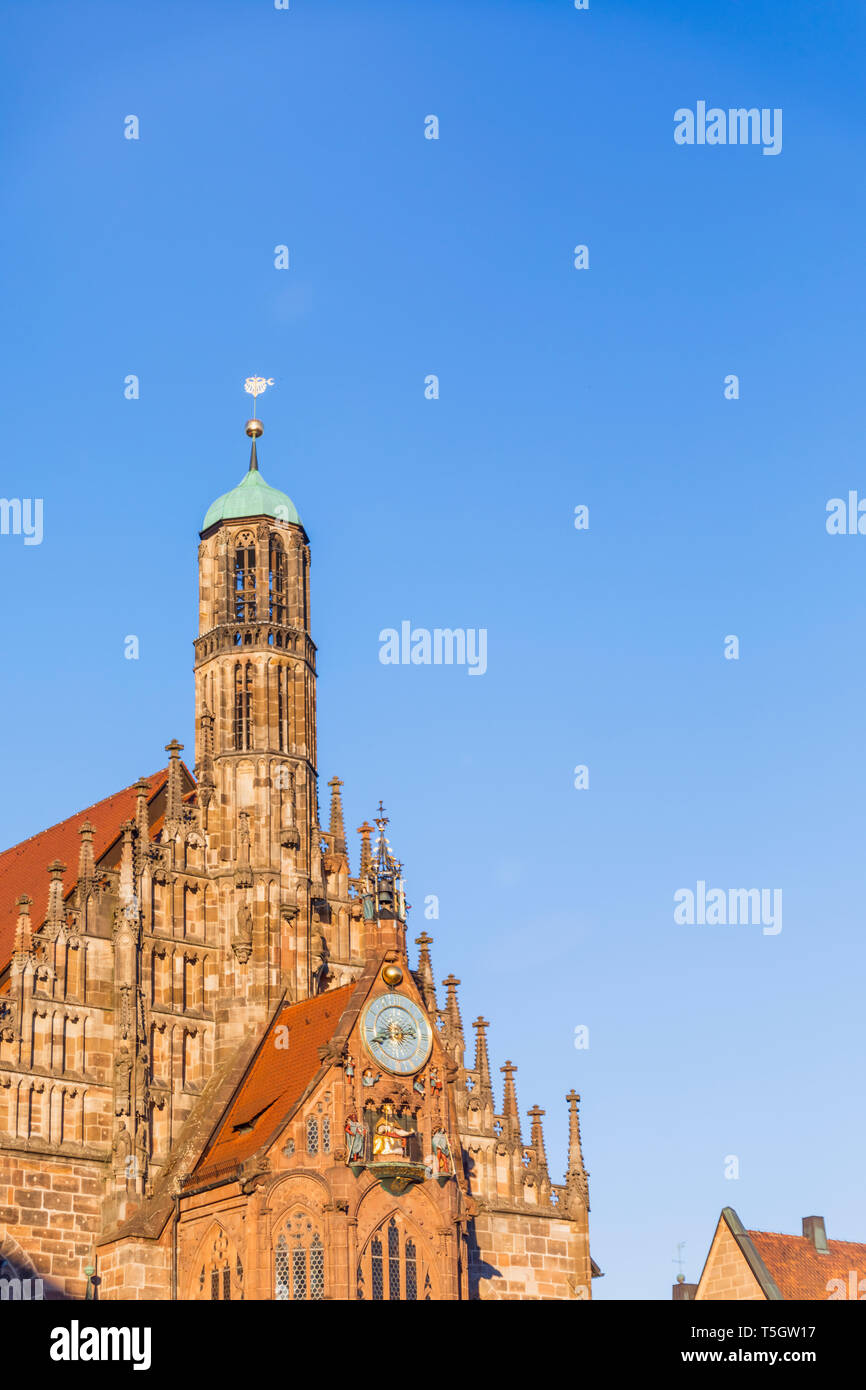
pixel 396 1033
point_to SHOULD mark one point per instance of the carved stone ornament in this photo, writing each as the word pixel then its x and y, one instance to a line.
pixel 242 941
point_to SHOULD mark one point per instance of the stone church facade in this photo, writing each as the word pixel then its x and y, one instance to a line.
pixel 220 1075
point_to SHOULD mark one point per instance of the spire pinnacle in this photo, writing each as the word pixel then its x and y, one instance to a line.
pixel 54 915
pixel 576 1185
pixel 336 827
pixel 424 973
pixel 142 820
pixel 204 771
pixel 537 1137
pixel 452 1011
pixel 482 1061
pixel 85 859
pixel 174 793
pixel 365 831
pixel 23 952
pixel 510 1112
pixel 126 876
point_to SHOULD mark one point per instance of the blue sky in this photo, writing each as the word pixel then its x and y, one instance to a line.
pixel 558 387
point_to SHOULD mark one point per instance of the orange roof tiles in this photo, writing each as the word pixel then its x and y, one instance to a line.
pixel 800 1271
pixel 188 799
pixel 24 867
pixel 277 1077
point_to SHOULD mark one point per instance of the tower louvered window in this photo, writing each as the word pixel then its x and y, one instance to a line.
pixel 245 581
pixel 299 1261
pixel 243 719
pixel 276 581
pixel 391 1269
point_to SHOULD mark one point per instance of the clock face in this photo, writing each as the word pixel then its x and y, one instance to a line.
pixel 396 1033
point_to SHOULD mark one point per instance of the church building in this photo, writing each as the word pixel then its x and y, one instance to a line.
pixel 221 1074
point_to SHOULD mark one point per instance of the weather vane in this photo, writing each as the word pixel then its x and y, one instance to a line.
pixel 255 385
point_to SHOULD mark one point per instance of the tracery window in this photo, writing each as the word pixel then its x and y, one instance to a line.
pixel 312 1135
pixel 390 1267
pixel 411 1270
pixel 376 1265
pixel 222 1274
pixel 245 580
pixel 299 1260
pixel 276 581
pixel 326 1134
pixel 243 720
pixel 393 1261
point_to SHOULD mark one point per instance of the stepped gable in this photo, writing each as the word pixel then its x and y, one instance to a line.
pixel 277 1077
pixel 23 868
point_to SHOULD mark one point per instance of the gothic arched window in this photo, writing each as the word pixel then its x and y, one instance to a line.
pixel 391 1269
pixel 411 1270
pixel 299 1260
pixel 276 581
pixel 283 708
pixel 222 1274
pixel 243 720
pixel 245 579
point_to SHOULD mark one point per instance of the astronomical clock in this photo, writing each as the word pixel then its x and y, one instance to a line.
pixel 396 1034
pixel 396 1088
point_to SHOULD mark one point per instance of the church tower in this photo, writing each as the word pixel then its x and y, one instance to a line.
pixel 282 883
pixel 220 1076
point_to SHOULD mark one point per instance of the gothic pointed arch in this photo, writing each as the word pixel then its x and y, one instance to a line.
pixel 218 1271
pixel 15 1263
pixel 396 1264
pixel 298 1256
pixel 277 583
pixel 242 725
pixel 243 572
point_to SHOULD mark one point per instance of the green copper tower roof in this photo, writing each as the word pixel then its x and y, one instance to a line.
pixel 252 497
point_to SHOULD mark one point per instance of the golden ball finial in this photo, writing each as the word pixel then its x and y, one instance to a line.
pixel 254 428
pixel 392 975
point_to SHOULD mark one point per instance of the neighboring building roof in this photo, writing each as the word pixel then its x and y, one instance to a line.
pixel 276 1078
pixel 785 1267
pixel 24 867
pixel 252 497
pixel 801 1271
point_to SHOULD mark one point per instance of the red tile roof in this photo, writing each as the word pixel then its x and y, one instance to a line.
pixel 800 1271
pixel 277 1077
pixel 24 867
pixel 156 824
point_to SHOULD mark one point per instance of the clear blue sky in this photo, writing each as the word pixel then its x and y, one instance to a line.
pixel 558 387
